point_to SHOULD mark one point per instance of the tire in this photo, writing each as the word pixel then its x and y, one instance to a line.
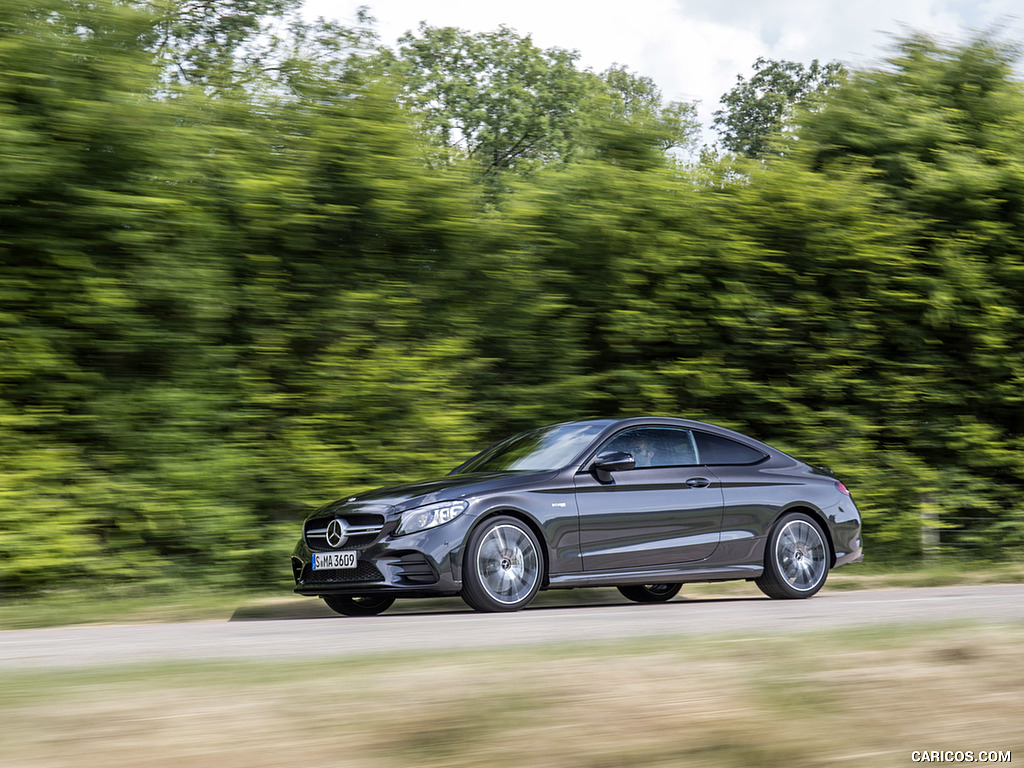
pixel 796 560
pixel 358 606
pixel 503 566
pixel 650 593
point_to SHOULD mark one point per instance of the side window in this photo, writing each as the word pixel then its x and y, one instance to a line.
pixel 655 446
pixel 721 450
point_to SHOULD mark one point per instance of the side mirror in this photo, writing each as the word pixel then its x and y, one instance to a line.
pixel 614 461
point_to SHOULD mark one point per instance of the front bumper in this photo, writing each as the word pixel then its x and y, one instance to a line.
pixel 427 563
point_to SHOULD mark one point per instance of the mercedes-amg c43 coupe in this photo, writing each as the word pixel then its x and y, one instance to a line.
pixel 642 504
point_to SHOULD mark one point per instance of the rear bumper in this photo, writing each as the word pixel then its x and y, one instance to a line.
pixel 845 529
pixel 854 556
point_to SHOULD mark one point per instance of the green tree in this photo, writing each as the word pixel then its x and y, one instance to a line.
pixel 507 105
pixel 206 42
pixel 113 304
pixel 941 128
pixel 758 108
pixel 261 47
pixel 223 308
pixel 855 300
pixel 216 314
pixel 493 96
pixel 637 99
pixel 351 254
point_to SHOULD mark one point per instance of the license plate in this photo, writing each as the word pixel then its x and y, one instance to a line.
pixel 323 561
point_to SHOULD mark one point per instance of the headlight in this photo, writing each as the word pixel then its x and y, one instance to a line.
pixel 430 516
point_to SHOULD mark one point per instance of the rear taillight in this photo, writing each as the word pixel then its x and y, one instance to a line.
pixel 842 488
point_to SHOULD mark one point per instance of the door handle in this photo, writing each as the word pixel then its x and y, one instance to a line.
pixel 698 482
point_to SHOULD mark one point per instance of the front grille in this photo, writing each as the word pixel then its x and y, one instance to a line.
pixel 363 530
pixel 364 571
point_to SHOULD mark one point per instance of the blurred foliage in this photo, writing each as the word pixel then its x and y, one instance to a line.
pixel 202 41
pixel 228 298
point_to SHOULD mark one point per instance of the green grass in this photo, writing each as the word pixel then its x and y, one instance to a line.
pixel 938 574
pixel 108 606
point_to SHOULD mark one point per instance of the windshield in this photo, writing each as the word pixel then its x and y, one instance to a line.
pixel 547 448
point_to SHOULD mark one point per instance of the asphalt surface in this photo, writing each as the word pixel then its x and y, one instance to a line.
pixel 314 638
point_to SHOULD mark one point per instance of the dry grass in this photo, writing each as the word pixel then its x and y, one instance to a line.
pixel 857 698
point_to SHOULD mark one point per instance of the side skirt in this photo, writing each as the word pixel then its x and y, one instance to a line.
pixel 654 576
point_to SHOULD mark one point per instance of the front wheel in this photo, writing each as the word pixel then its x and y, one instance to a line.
pixel 796 560
pixel 503 566
pixel 358 606
pixel 650 593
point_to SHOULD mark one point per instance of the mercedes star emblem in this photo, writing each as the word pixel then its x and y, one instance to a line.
pixel 337 533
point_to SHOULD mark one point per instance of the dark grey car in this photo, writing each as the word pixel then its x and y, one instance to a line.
pixel 642 504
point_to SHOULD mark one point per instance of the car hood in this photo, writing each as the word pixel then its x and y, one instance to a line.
pixel 398 498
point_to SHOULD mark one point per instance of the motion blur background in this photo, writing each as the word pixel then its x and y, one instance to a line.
pixel 253 262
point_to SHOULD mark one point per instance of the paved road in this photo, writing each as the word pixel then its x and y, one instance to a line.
pixel 310 638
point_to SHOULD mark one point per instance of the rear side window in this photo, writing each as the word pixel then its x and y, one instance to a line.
pixel 713 449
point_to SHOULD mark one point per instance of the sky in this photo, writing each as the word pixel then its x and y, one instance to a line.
pixel 694 49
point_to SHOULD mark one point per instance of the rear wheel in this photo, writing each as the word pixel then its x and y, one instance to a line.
pixel 650 593
pixel 796 560
pixel 358 606
pixel 503 566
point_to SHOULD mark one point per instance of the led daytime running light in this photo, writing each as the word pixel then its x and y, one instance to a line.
pixel 430 516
